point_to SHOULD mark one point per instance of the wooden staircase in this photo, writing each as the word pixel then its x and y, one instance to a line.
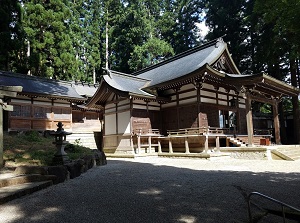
pixel 289 152
pixel 236 142
pixel 242 140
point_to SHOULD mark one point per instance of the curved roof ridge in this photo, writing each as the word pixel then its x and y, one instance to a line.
pixel 125 75
pixel 180 55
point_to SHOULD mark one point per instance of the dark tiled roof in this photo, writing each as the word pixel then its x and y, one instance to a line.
pixel 40 86
pixel 85 89
pixel 127 83
pixel 184 63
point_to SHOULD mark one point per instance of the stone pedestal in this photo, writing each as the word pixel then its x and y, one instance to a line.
pixel 60 157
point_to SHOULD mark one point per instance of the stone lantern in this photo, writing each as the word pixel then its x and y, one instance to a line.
pixel 60 156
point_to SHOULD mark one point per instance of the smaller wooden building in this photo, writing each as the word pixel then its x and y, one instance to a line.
pixel 45 102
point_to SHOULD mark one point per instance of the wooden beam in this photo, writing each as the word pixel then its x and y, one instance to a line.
pixel 218 143
pixel 187 149
pixel 249 119
pixel 149 143
pixel 206 143
pixel 170 145
pixel 276 124
pixel 159 146
pixel 262 99
pixel 1 137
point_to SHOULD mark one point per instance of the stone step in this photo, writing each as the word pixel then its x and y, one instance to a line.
pixel 84 139
pixel 12 179
pixel 12 192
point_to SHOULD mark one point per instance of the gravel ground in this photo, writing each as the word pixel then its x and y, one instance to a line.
pixel 150 190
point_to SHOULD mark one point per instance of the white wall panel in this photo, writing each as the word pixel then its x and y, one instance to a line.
pixel 20 101
pixel 124 122
pixel 208 86
pixel 188 101
pixel 187 87
pixel 207 93
pixel 110 110
pixel 208 100
pixel 123 102
pixel 140 107
pixel 173 104
pixel 49 103
pixel 222 102
pixel 188 94
pixel 61 104
pixel 222 96
pixel 110 124
pixel 154 108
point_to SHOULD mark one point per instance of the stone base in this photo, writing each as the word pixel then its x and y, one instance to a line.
pixel 60 160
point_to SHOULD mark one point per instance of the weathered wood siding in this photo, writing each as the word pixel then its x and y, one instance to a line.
pixel 86 121
pixel 186 107
pixel 39 114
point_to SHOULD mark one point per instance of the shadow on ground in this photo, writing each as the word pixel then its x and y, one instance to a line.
pixel 126 191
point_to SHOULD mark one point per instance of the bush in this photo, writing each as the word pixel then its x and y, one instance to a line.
pixel 33 149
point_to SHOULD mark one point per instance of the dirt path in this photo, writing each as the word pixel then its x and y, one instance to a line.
pixel 150 190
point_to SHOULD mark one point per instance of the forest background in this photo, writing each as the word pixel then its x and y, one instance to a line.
pixel 75 39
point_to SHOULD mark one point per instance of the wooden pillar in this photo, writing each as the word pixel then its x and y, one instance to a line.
pixel 138 144
pixel 237 115
pixel 131 120
pixel 249 119
pixel 206 143
pixel 198 87
pixel 177 107
pixel 149 144
pixel 1 134
pixel 218 143
pixel 159 146
pixel 276 123
pixel 187 149
pixel 170 145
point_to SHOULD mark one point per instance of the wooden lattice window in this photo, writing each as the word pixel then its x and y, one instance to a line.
pixel 91 116
pixel 21 111
pixel 41 112
pixel 62 113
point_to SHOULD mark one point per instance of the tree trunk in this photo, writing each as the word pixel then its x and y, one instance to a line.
pixel 295 102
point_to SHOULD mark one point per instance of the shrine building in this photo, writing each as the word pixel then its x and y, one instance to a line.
pixel 191 103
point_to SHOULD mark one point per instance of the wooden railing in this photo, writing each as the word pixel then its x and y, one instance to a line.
pixel 146 132
pixel 149 135
pixel 199 131
pixel 262 132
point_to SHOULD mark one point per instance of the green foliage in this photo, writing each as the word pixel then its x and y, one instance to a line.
pixel 231 20
pixel 32 136
pixel 12 37
pixel 138 24
pixel 283 16
pixel 66 40
pixel 31 148
pixel 152 52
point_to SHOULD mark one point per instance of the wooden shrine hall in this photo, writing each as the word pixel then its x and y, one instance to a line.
pixel 189 103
